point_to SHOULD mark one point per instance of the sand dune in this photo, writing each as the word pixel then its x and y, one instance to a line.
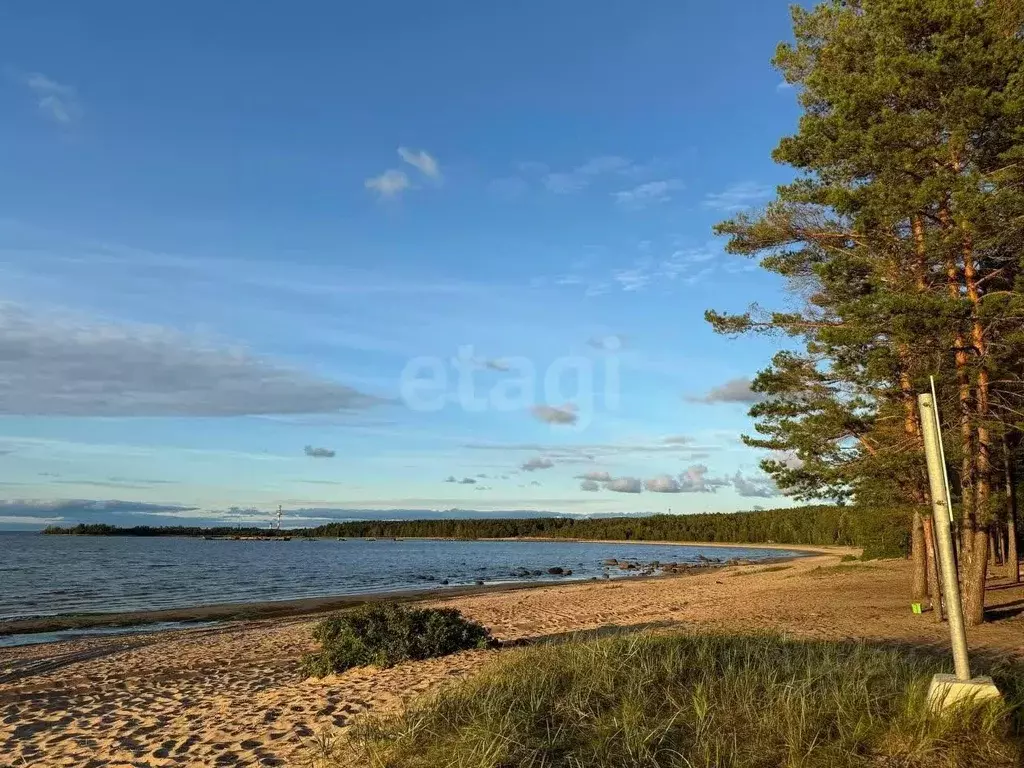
pixel 233 696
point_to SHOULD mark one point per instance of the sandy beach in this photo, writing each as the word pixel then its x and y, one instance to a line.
pixel 231 695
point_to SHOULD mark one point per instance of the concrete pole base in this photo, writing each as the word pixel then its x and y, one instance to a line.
pixel 946 692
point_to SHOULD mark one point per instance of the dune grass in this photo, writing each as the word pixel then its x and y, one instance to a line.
pixel 693 701
pixel 385 634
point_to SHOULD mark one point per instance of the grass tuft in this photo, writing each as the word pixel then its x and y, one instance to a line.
pixel 385 634
pixel 693 701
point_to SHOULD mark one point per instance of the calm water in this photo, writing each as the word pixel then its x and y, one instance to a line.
pixel 48 575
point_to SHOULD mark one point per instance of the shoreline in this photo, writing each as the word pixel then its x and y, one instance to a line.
pixel 309 606
pixel 817 549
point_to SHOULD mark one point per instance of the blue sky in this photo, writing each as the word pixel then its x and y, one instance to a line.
pixel 333 255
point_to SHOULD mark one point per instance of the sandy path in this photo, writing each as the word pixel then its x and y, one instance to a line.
pixel 232 696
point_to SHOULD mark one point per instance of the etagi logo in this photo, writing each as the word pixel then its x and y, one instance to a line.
pixel 431 384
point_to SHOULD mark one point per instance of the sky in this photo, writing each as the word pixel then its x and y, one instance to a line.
pixel 380 256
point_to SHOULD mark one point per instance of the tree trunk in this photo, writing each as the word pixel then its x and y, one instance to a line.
pixel 963 380
pixel 918 483
pixel 931 555
pixel 976 480
pixel 974 562
pixel 1012 558
pixel 918 556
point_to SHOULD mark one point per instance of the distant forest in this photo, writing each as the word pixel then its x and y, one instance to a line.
pixel 881 532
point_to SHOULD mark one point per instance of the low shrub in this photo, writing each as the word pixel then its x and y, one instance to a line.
pixel 385 634
pixel 683 701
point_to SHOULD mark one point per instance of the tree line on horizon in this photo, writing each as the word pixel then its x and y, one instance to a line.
pixel 900 241
pixel 882 532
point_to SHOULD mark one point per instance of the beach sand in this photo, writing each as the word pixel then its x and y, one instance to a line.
pixel 232 695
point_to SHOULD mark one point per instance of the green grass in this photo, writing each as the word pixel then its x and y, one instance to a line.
pixel 692 701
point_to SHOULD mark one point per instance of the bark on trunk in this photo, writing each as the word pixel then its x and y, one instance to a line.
pixel 963 380
pixel 973 429
pixel 980 344
pixel 918 556
pixel 982 517
pixel 932 555
pixel 918 483
pixel 1012 558
pixel 974 569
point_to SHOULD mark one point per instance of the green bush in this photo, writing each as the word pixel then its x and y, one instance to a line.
pixel 385 634
pixel 689 700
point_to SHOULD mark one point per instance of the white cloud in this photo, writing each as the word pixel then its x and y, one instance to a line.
pixel 756 487
pixel 686 266
pixel 650 193
pixel 57 101
pixel 788 459
pixel 534 464
pixel 581 177
pixel 319 453
pixel 678 440
pixel 696 480
pixel 631 279
pixel 53 365
pixel 595 477
pixel 732 391
pixel 689 264
pixel 421 160
pixel 737 197
pixel 610 343
pixel 784 86
pixel 625 485
pixel 550 414
pixel 662 484
pixel 389 184
pixel 463 481
pixel 590 486
pixel 393 182
pixel 79 509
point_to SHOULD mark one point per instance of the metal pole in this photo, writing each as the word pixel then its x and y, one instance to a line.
pixel 941 514
pixel 942 451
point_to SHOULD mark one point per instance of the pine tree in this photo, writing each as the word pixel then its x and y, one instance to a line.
pixel 903 231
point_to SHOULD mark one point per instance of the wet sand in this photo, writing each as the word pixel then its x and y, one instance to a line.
pixel 232 695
